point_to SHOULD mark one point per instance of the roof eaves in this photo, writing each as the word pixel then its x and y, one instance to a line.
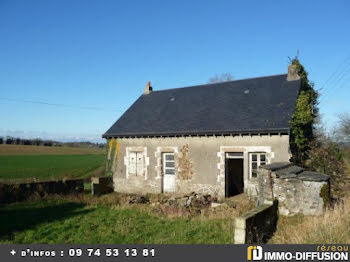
pixel 204 133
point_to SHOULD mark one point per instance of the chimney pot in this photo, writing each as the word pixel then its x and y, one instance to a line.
pixel 148 88
pixel 292 73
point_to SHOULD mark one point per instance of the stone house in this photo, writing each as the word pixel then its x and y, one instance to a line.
pixel 207 138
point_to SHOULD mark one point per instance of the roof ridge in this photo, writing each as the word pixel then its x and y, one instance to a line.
pixel 203 85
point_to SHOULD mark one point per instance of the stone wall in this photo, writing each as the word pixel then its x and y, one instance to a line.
pixel 298 191
pixel 185 187
pixel 205 156
pixel 101 185
pixel 13 192
pixel 256 225
pixel 137 185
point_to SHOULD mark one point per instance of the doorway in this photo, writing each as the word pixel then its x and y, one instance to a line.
pixel 234 183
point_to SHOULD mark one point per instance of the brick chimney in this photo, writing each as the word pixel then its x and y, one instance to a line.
pixel 292 73
pixel 148 88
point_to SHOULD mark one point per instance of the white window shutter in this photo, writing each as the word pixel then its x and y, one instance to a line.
pixel 132 163
pixel 139 163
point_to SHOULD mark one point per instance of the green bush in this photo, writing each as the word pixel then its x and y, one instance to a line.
pixel 326 157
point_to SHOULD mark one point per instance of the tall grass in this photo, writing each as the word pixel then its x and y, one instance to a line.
pixel 332 227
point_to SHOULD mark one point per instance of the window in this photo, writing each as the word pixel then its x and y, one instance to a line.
pixel 256 160
pixel 136 163
pixel 168 164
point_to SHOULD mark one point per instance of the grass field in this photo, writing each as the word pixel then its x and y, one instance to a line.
pixel 49 166
pixel 47 150
pixel 42 162
pixel 58 221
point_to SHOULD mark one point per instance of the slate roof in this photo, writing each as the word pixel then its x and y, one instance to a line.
pixel 255 105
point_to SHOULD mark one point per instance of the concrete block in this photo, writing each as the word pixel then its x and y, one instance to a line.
pixel 240 236
pixel 240 223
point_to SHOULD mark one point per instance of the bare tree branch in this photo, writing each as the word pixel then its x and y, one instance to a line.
pixel 220 78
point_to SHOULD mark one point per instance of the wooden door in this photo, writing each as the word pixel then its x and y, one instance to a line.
pixel 169 179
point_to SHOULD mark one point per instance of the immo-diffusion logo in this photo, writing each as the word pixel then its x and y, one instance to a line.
pixel 254 253
pixel 329 253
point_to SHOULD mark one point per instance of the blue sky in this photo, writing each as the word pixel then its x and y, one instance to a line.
pixel 101 53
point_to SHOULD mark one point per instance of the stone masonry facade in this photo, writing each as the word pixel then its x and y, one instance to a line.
pixel 297 191
pixel 199 162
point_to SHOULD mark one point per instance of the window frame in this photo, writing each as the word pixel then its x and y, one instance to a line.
pixel 234 155
pixel 164 161
pixel 136 163
pixel 258 162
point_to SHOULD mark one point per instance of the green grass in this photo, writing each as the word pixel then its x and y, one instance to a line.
pixel 48 166
pixel 57 221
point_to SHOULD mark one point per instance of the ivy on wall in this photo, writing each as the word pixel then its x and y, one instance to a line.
pixel 112 155
pixel 303 118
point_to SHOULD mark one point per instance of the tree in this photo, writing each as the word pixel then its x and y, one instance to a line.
pixel 9 140
pixel 344 127
pixel 37 141
pixel 303 118
pixel 1 140
pixel 17 141
pixel 48 143
pixel 27 142
pixel 220 78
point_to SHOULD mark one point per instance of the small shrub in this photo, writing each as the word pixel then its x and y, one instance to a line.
pixel 326 157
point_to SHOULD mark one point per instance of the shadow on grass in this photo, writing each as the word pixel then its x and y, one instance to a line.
pixel 25 216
